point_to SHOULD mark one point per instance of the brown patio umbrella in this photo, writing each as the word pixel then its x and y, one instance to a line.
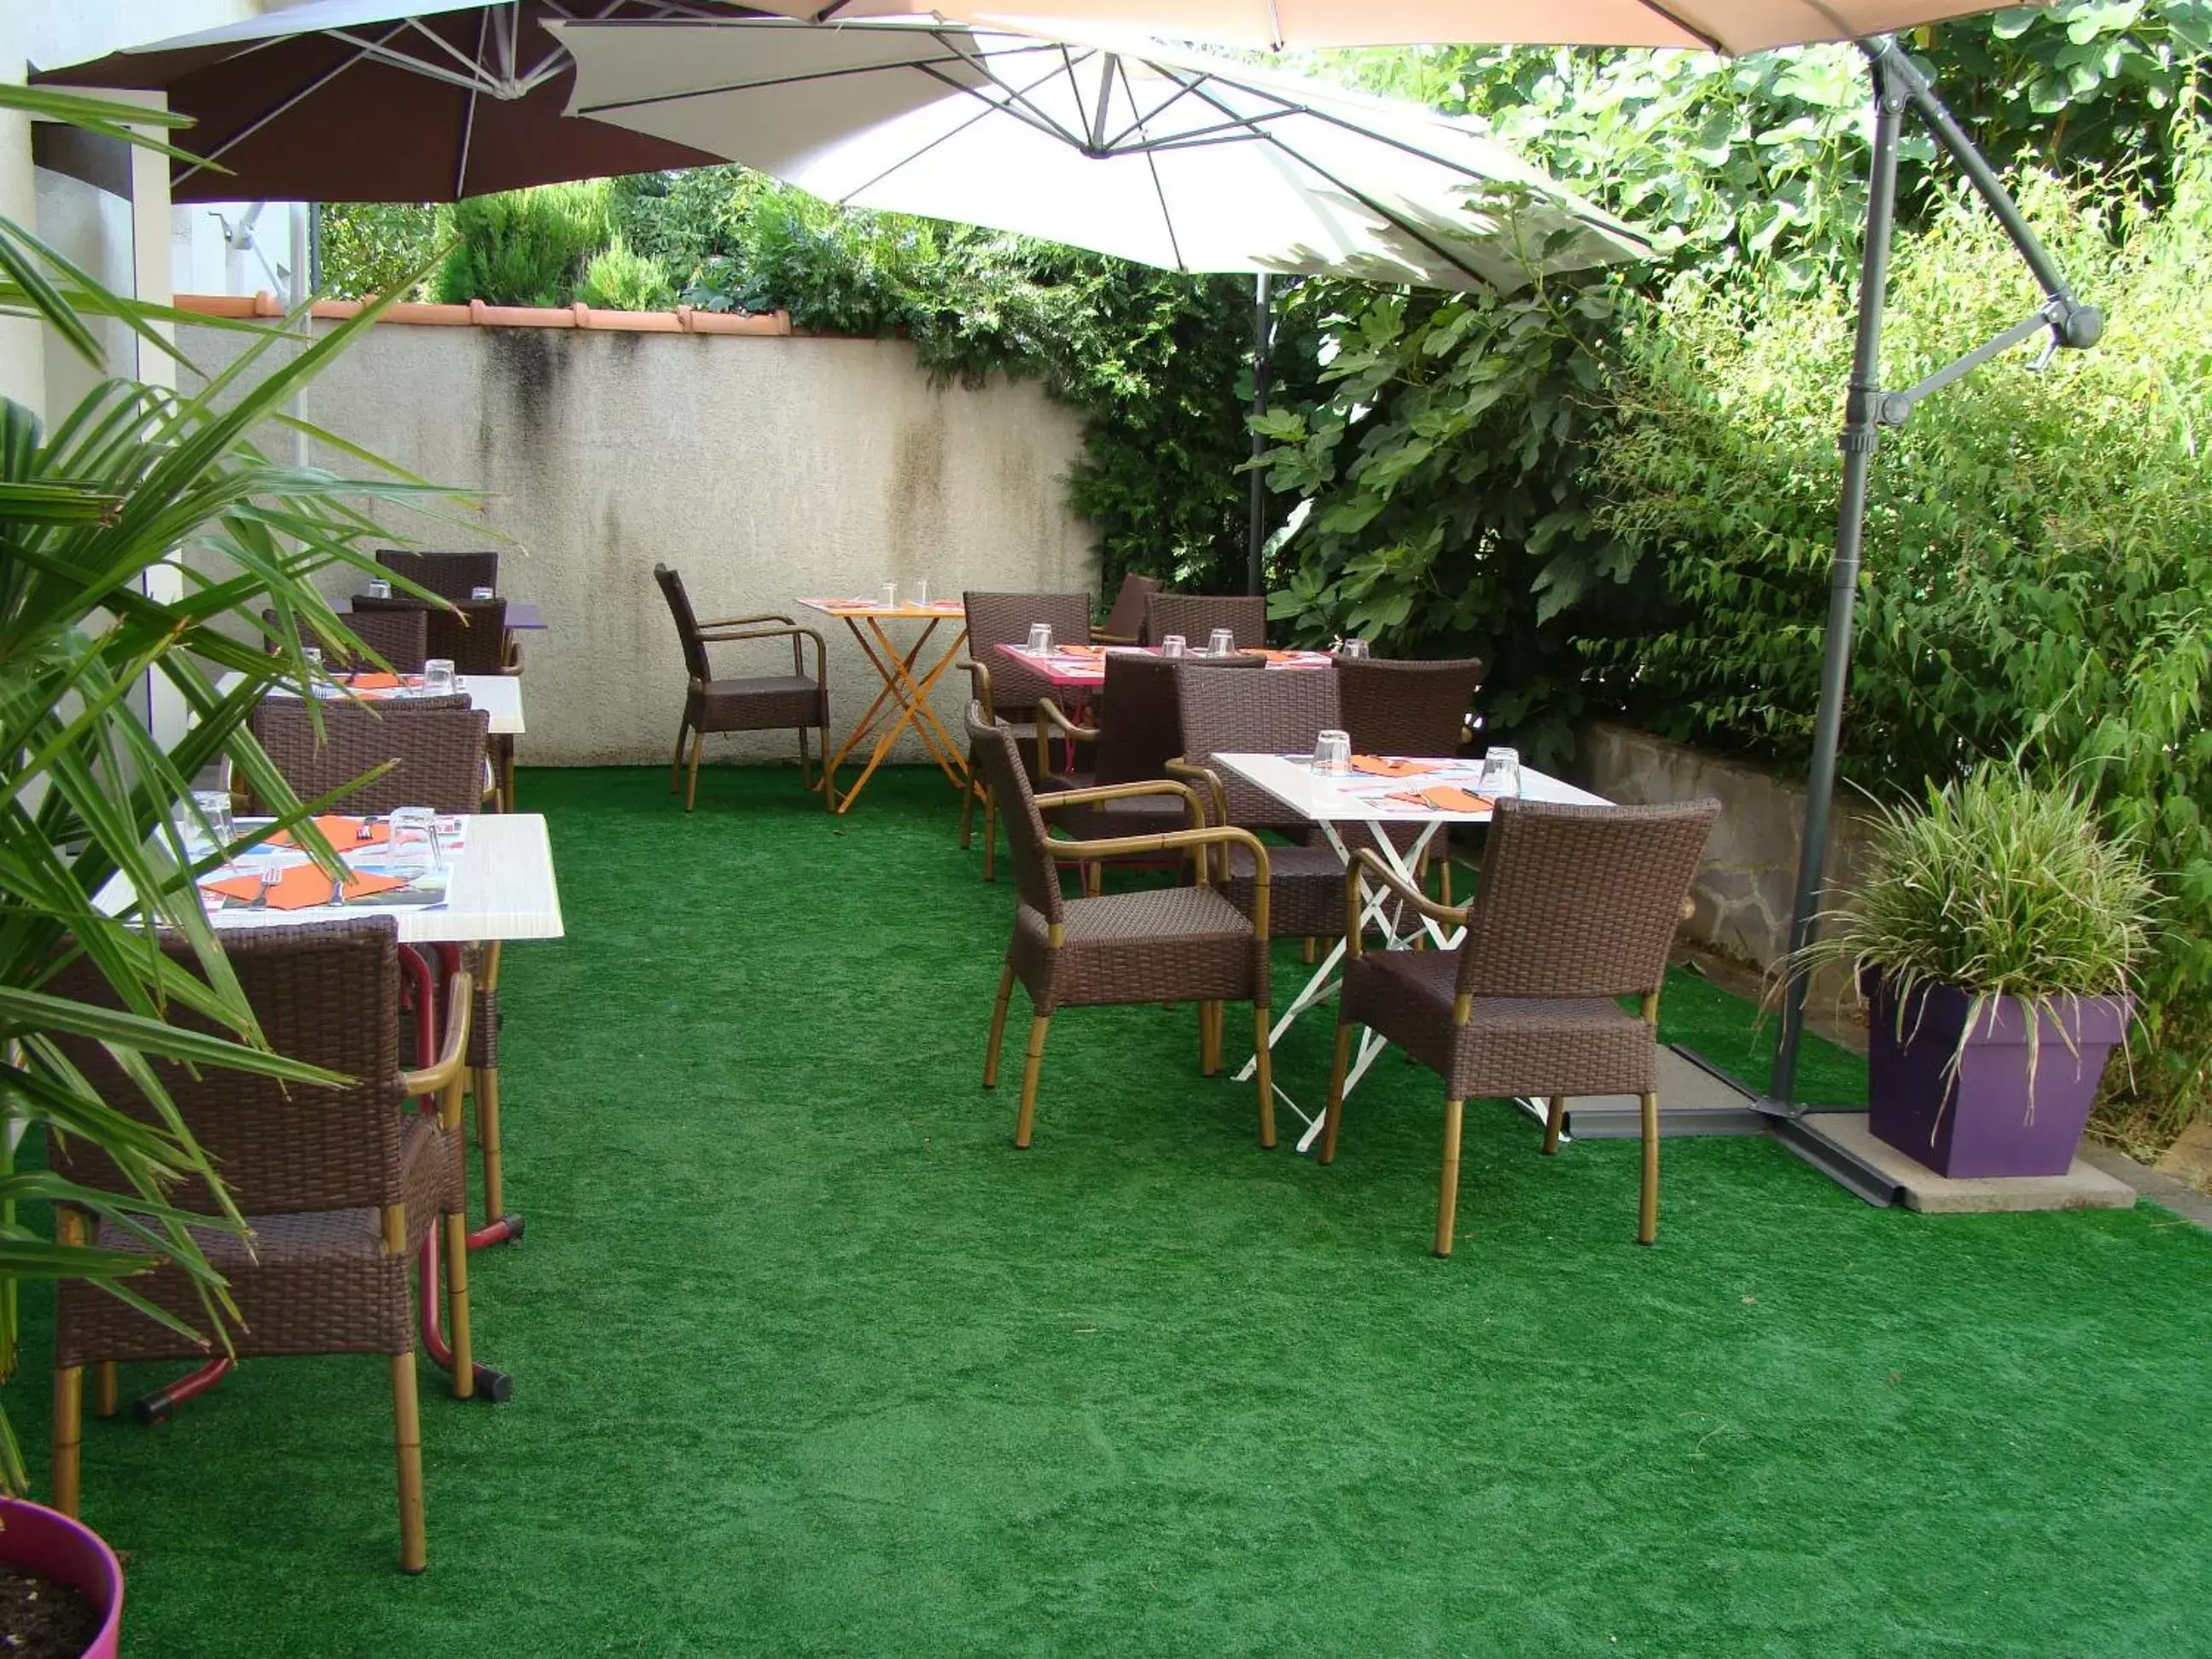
pixel 383 100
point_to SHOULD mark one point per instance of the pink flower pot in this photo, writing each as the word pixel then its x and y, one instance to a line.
pixel 48 1543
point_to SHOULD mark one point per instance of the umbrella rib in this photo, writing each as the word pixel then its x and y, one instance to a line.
pixel 377 51
pixel 1028 111
pixel 924 65
pixel 1181 91
pixel 469 65
pixel 245 132
pixel 1712 42
pixel 469 116
pixel 1167 219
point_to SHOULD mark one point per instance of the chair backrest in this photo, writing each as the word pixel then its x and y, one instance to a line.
pixel 439 752
pixel 1580 900
pixel 472 637
pixel 1034 873
pixel 449 576
pixel 1406 708
pixel 325 992
pixel 997 619
pixel 1278 712
pixel 1196 616
pixel 687 622
pixel 1127 619
pixel 1139 730
pixel 397 636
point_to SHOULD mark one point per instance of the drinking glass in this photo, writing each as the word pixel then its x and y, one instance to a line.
pixel 1333 752
pixel 212 819
pixel 438 677
pixel 1501 773
pixel 1349 647
pixel 378 588
pixel 1041 638
pixel 313 656
pixel 1172 646
pixel 1221 643
pixel 413 850
pixel 479 594
pixel 920 595
pixel 891 596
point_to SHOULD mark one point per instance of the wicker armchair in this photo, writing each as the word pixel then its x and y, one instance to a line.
pixel 1161 945
pixel 399 637
pixel 1394 708
pixel 340 1187
pixel 1268 714
pixel 471 635
pixel 997 619
pixel 1127 620
pixel 1576 907
pixel 449 576
pixel 1137 735
pixel 1196 616
pixel 758 703
pixel 435 746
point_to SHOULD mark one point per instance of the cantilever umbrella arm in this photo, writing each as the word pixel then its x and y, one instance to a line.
pixel 1898 86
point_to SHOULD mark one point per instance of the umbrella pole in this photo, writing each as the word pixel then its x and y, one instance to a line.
pixel 1896 86
pixel 1255 576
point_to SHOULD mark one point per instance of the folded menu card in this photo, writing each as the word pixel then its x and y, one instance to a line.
pixel 1388 766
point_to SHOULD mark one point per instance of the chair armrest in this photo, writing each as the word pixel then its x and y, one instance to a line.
pixel 1100 636
pixel 1202 777
pixel 1049 715
pixel 745 622
pixel 513 662
pixel 1366 862
pixel 1098 791
pixel 790 630
pixel 979 677
pixel 435 1079
pixel 1199 841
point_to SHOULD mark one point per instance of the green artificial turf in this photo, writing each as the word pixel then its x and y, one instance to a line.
pixel 809 1361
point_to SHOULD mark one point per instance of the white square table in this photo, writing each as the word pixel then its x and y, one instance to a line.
pixel 1332 801
pixel 499 696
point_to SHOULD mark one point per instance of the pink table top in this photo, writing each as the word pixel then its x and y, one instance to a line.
pixel 1086 665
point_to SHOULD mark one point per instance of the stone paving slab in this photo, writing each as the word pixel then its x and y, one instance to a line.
pixel 2084 1187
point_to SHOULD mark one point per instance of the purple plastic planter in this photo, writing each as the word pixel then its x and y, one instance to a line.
pixel 1979 1123
pixel 47 1542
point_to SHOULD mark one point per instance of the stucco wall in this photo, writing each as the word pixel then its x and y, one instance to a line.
pixel 1743 893
pixel 760 468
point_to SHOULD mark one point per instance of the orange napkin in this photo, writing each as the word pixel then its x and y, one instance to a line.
pixel 1385 766
pixel 341 832
pixel 1082 651
pixel 369 682
pixel 302 887
pixel 1448 798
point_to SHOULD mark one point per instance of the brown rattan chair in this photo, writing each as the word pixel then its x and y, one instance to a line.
pixel 1137 735
pixel 469 634
pixel 435 746
pixel 449 576
pixel 977 787
pixel 1576 907
pixel 997 619
pixel 1406 708
pixel 758 703
pixel 1268 714
pixel 340 1188
pixel 1127 620
pixel 1196 616
pixel 1159 944
pixel 399 637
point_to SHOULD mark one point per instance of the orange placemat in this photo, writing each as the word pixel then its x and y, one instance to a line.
pixel 1388 766
pixel 368 682
pixel 342 832
pixel 302 887
pixel 1082 651
pixel 1448 798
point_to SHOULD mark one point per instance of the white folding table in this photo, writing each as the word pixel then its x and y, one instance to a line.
pixel 1334 801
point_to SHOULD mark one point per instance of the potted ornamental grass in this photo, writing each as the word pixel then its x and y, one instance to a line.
pixel 1996 938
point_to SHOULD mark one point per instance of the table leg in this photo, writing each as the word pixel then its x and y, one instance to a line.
pixel 902 702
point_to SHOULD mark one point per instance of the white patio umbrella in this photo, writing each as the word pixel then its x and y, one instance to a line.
pixel 1136 150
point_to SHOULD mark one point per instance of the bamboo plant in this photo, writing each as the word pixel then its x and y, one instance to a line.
pixel 136 477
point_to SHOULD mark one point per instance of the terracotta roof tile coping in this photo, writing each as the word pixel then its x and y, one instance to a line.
pixel 685 319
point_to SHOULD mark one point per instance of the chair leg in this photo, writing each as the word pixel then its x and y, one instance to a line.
pixel 676 766
pixel 1333 1114
pixel 828 777
pixel 506 776
pixel 407 1441
pixel 1264 1066
pixel 457 1305
pixel 1209 1038
pixel 1554 1119
pixel 691 789
pixel 69 1435
pixel 486 1090
pixel 1443 880
pixel 1448 1186
pixel 1310 951
pixel 803 759
pixel 1094 878
pixel 990 834
pixel 104 1389
pixel 997 1026
pixel 1647 1226
pixel 1027 1118
pixel 968 813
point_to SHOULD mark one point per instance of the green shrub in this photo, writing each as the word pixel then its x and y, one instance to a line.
pixel 619 280
pixel 523 247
